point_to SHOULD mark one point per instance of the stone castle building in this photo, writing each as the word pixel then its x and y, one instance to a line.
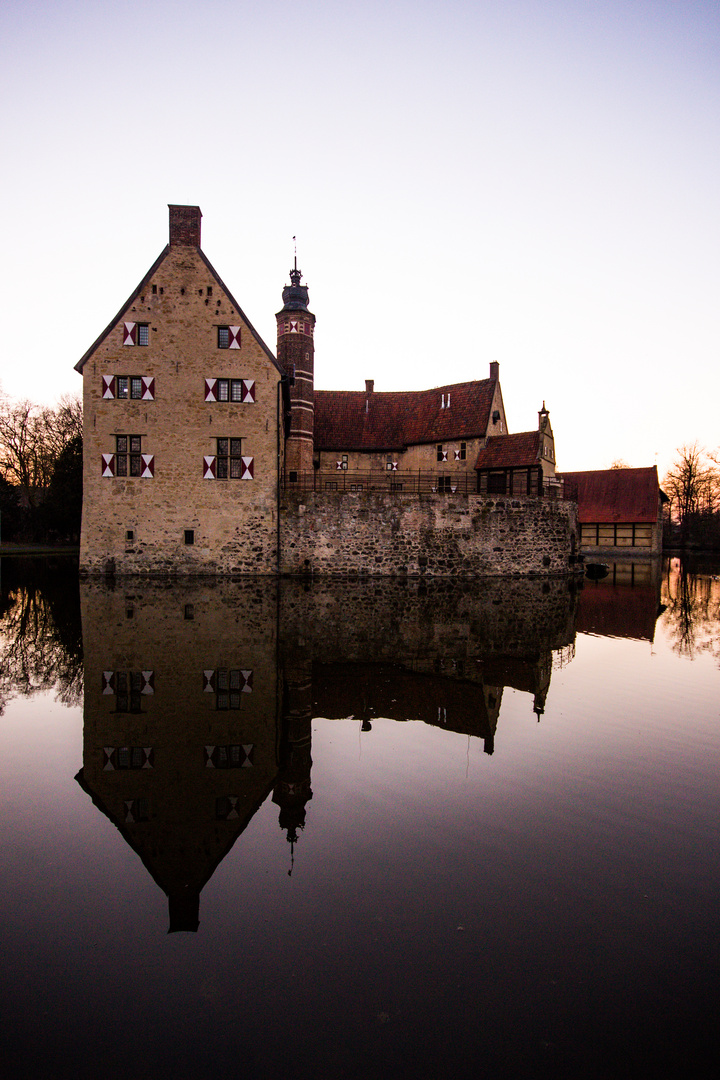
pixel 206 453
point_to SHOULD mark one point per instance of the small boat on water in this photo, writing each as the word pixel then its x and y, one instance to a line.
pixel 596 571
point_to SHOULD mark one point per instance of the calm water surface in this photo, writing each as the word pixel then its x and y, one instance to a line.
pixel 371 830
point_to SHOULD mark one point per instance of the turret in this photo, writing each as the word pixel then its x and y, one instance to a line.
pixel 296 356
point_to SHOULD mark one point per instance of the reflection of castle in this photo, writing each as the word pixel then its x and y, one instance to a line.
pixel 199 697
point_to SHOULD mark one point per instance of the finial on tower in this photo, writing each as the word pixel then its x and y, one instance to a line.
pixel 295 274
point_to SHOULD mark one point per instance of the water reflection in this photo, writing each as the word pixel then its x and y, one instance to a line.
pixel 545 911
pixel 199 698
pixel 692 612
pixel 40 629
pixel 625 603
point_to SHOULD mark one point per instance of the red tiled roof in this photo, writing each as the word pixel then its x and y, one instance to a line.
pixel 357 420
pixel 510 451
pixel 610 495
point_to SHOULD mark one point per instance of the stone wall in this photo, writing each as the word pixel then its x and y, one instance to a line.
pixel 367 533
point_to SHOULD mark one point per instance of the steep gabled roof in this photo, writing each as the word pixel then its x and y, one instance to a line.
pixel 510 451
pixel 136 292
pixel 609 495
pixel 130 300
pixel 361 420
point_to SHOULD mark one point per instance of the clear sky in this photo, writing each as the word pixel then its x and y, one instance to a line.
pixel 529 181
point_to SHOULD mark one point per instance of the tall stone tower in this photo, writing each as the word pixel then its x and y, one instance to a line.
pixel 296 356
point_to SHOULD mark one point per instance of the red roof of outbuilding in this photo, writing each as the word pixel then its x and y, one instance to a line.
pixel 609 495
pixel 358 420
pixel 510 451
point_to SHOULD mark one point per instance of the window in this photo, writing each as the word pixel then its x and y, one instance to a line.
pixel 128 688
pixel 129 535
pixel 356 487
pixel 229 459
pixel 128 455
pixel 136 333
pixel 228 463
pixel 293 476
pixel 189 536
pixel 234 756
pixel 442 454
pixel 228 337
pixel 128 460
pixel 123 387
pixel 463 451
pixel 228 684
pixel 136 809
pixel 232 390
pixel 128 757
pixel 444 483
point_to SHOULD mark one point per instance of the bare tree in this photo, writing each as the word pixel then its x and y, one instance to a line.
pixel 619 463
pixel 32 437
pixel 693 487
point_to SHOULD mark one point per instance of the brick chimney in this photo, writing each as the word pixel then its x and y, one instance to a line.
pixel 369 386
pixel 185 225
pixel 494 370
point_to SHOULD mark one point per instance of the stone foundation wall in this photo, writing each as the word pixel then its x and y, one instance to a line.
pixel 374 534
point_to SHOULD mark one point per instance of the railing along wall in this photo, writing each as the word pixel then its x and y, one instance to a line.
pixel 350 481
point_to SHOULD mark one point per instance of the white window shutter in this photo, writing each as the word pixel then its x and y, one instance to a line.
pixel 108 682
pixel 394 466
pixel 209 468
pixel 248 469
pixel 444 455
pixel 148 467
pixel 247 682
pixel 148 388
pixel 457 455
pixel 211 389
pixel 148 682
pixel 130 333
pixel 248 390
pixel 209 681
pixel 108 386
pixel 234 337
pixel 108 464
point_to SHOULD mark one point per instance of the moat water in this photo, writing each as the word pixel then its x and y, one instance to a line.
pixel 371 830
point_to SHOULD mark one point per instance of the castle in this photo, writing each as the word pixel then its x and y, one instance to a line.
pixel 205 453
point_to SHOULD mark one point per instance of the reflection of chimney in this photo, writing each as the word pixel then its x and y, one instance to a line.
pixel 494 370
pixel 184 910
pixel 369 386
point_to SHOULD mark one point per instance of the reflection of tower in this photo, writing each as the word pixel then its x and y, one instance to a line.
pixel 296 356
pixel 292 789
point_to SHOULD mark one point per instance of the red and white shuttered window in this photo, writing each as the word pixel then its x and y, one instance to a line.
pixel 228 337
pixel 229 463
pixel 128 459
pixel 296 326
pixel 237 391
pixel 129 387
pixel 135 333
